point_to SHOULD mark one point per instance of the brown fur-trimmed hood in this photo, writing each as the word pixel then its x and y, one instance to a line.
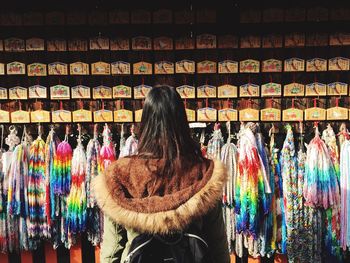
pixel 134 194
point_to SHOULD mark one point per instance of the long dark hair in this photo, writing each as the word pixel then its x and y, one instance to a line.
pixel 165 133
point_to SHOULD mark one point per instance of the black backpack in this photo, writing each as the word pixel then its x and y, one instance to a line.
pixel 178 248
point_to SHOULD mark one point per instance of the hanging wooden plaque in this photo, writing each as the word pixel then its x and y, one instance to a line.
pixel 58 69
pixel 18 93
pixel 78 44
pixel 4 116
pixel 294 40
pixel 339 39
pixel 60 92
pixel 249 66
pixel 102 92
pixel 270 114
pixel 81 92
pixel 142 68
pixel 249 114
pixel 206 114
pixel 337 113
pixel 119 43
pixel 228 115
pixel 40 116
pixel 294 65
pixel 141 17
pixel 99 43
pixel 272 41
pixel 164 67
pixel 79 68
pixel 206 66
pixel 120 68
pixel 206 41
pixel 337 89
pixel 206 91
pixel 3 93
pixel 340 14
pixel 315 114
pixel 14 45
pixel 250 42
pixel 249 90
pixel 191 115
pixel 37 92
pixel 338 63
pixel 61 116
pixel 271 89
pixel 20 116
pixel 271 65
pixel 11 19
pixel 163 43
pixel 35 44
pixel 37 69
pixel 227 91
pixel 317 14
pixel 138 115
pixel 82 116
pixel 141 43
pixel 227 41
pixel 228 66
pixel 184 43
pixel 293 90
pixel 317 40
pixel 2 69
pixel 100 68
pixel 186 92
pixel 123 115
pixel 316 89
pixel 292 114
pixel 141 91
pixel 162 16
pixel 316 64
pixel 15 68
pixel 119 17
pixel 56 45
pixel 103 116
pixel 185 66
pixel 121 92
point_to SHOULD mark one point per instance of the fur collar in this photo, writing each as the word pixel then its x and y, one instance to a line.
pixel 152 220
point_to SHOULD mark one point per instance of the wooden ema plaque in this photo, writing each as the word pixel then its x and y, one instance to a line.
pixel 14 45
pixel 60 92
pixel 99 43
pixel 37 92
pixel 142 68
pixel 82 116
pixel 249 90
pixel 227 91
pixel 315 114
pixel 227 42
pixel 206 67
pixel 121 92
pixel 317 40
pixel 102 92
pixel 316 65
pixel 79 68
pixel 56 45
pixel 61 116
pixel 141 43
pixel 250 42
pixel 271 89
pixel 40 116
pixel 184 43
pixel 36 70
pixel 123 115
pixel 228 66
pixel 191 115
pixel 15 68
pixel 185 66
pixel 339 39
pixel 316 89
pixel 100 68
pixel 103 116
pixel 272 41
pixel 249 66
pixel 2 69
pixel 20 116
pixel 249 114
pixel 141 91
pixel 186 91
pixel 78 44
pixel 119 43
pixel 35 44
pixel 294 65
pixel 164 67
pixel 337 113
pixel 228 115
pixel 206 114
pixel 206 91
pixel 270 114
pixel 292 114
pixel 294 40
pixel 206 41
pixel 4 116
pixel 18 93
pixel 271 65
pixel 138 115
pixel 120 68
pixel 81 92
pixel 338 64
pixel 294 90
pixel 58 69
pixel 163 43
pixel 337 88
pixel 3 93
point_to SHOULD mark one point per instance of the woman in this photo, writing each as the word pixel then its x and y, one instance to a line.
pixel 165 188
